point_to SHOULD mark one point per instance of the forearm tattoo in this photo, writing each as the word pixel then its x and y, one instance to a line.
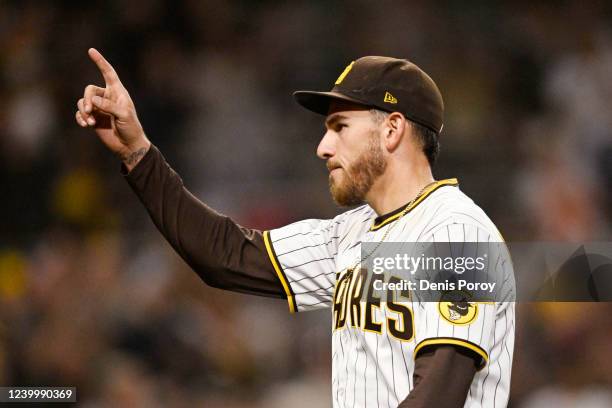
pixel 135 157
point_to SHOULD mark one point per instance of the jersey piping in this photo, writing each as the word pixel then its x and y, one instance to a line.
pixel 383 220
pixel 280 273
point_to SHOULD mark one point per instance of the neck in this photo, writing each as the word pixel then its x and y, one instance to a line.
pixel 397 187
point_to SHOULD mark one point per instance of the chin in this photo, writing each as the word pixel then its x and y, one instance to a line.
pixel 337 182
pixel 343 194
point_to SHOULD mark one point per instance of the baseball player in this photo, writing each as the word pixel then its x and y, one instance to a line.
pixel 382 118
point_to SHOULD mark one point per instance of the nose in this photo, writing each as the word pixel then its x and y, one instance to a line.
pixel 327 146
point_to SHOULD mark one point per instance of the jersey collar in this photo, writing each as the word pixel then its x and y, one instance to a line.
pixel 387 218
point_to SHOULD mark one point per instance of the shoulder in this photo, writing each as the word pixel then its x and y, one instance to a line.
pixel 358 214
pixel 338 225
pixel 357 219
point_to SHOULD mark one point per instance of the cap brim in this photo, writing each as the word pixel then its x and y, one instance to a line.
pixel 319 102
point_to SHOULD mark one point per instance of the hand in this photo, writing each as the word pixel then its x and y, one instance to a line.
pixel 111 112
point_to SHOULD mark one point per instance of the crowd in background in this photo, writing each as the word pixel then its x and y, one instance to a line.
pixel 92 296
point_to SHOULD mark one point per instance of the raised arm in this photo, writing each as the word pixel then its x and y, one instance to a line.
pixel 224 254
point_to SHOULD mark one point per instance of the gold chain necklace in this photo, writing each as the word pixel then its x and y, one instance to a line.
pixel 349 271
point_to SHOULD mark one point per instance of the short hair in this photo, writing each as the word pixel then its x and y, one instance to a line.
pixel 426 137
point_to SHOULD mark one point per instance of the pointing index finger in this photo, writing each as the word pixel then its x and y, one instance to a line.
pixel 107 70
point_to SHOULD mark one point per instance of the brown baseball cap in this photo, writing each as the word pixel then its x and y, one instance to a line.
pixel 389 84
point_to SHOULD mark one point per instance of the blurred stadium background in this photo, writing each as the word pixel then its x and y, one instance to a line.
pixel 92 296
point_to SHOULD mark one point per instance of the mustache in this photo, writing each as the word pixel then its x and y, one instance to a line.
pixel 332 165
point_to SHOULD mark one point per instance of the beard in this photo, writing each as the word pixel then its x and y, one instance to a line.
pixel 357 180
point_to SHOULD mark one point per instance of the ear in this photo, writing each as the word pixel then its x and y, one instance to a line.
pixel 393 131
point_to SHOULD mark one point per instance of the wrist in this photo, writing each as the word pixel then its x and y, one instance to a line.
pixel 134 154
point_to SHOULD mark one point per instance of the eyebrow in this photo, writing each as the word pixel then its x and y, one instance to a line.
pixel 333 119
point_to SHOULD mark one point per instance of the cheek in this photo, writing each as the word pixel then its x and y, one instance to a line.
pixel 359 141
pixel 347 154
pixel 352 144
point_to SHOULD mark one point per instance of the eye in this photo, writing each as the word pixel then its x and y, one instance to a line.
pixel 340 126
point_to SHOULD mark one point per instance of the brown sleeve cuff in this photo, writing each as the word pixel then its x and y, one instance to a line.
pixel 143 165
pixel 481 357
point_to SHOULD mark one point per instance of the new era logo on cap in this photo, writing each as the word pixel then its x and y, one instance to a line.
pixel 389 84
pixel 389 98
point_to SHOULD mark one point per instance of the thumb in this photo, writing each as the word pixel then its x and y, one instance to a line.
pixel 108 106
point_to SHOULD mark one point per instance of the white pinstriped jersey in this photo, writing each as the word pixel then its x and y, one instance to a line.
pixel 374 345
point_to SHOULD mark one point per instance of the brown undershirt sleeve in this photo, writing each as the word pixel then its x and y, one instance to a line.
pixel 442 378
pixel 224 254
